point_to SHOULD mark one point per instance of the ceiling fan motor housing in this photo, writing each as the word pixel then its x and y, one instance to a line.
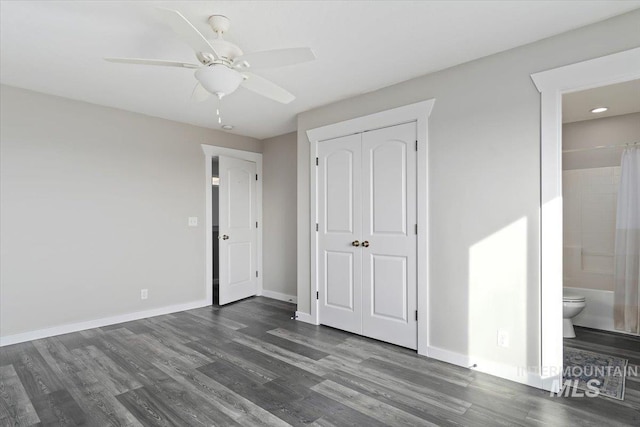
pixel 226 50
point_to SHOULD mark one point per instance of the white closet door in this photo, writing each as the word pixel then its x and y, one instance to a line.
pixel 339 225
pixel 389 270
pixel 238 235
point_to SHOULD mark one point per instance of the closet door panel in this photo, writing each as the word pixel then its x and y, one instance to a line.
pixel 339 225
pixel 389 287
pixel 389 269
pixel 387 189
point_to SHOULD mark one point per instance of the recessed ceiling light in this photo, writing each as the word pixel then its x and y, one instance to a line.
pixel 227 127
pixel 599 110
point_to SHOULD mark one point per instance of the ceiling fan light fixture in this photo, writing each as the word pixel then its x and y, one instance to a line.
pixel 219 79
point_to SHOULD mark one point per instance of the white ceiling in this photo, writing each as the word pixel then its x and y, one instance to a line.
pixel 621 98
pixel 57 48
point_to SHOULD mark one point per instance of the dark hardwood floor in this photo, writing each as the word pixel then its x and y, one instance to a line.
pixel 250 364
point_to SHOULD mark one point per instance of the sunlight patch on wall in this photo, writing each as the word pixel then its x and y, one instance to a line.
pixel 497 295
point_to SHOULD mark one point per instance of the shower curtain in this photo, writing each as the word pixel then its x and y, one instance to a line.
pixel 627 248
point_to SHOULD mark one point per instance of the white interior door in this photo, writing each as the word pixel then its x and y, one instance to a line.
pixel 238 230
pixel 367 242
pixel 339 225
pixel 389 234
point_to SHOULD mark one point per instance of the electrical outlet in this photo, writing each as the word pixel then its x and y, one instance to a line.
pixel 503 338
pixel 144 293
pixel 193 221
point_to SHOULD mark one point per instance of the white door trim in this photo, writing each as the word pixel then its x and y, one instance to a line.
pixel 211 151
pixel 615 68
pixel 419 113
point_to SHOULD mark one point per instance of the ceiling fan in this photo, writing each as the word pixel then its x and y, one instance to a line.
pixel 223 67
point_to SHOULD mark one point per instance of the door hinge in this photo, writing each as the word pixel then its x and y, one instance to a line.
pixel 256 224
pixel 416 228
pixel 317 226
pixel 416 315
pixel 317 161
pixel 256 177
pixel 416 145
pixel 317 295
pixel 256 273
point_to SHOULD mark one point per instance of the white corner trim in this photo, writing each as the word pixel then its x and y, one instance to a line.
pixel 306 318
pixel 279 296
pixel 97 323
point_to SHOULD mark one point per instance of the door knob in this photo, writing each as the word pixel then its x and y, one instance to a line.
pixel 223 237
pixel 365 244
pixel 355 243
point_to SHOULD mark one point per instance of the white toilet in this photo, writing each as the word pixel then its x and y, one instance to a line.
pixel 572 305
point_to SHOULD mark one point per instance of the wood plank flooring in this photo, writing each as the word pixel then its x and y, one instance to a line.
pixel 249 364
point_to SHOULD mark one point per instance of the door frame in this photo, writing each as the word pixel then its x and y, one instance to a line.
pixel 211 151
pixel 552 84
pixel 419 113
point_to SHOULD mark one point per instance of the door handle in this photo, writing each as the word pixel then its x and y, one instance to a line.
pixel 355 243
pixel 223 237
pixel 365 244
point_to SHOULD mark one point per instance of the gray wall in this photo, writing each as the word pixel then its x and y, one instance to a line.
pixel 591 133
pixel 94 206
pixel 484 195
pixel 279 211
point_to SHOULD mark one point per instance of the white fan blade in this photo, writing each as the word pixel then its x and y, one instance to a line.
pixel 266 88
pixel 185 29
pixel 152 62
pixel 274 58
pixel 199 93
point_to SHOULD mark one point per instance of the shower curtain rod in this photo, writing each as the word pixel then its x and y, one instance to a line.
pixel 600 147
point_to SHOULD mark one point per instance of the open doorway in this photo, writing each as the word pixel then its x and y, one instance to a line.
pixel 600 134
pixel 233 230
pixel 592 147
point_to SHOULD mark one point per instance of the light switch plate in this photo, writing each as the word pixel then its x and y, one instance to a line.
pixel 193 221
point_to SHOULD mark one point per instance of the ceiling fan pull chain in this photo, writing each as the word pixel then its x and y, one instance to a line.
pixel 218 107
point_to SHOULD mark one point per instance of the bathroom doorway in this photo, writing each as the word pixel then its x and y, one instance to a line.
pixel 599 127
pixel 592 149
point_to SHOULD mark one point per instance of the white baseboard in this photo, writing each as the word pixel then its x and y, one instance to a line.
pixel 452 357
pixel 306 318
pixel 279 296
pixel 97 323
pixel 508 372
